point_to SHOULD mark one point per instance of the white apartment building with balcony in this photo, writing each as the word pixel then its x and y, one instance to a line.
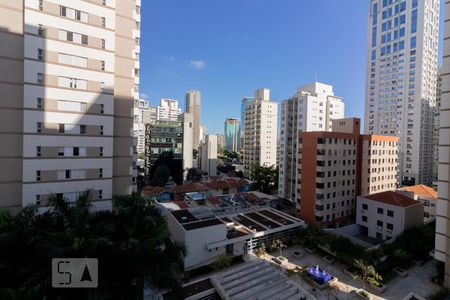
pixel 312 108
pixel 260 132
pixel 143 114
pixel 442 245
pixel 66 121
pixel 168 110
pixel 401 79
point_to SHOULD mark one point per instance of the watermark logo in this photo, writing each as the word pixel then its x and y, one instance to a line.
pixel 74 273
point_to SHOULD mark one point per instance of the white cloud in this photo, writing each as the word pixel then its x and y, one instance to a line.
pixel 197 64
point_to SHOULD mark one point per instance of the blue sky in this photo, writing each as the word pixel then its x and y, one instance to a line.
pixel 229 48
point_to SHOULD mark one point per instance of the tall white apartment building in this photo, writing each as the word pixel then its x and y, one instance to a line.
pixel 188 120
pixel 66 118
pixel 143 114
pixel 442 251
pixel 168 110
pixel 193 101
pixel 312 108
pixel 401 80
pixel 208 155
pixel 260 136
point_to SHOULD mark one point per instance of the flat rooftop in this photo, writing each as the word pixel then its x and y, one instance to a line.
pixel 257 280
pixel 202 224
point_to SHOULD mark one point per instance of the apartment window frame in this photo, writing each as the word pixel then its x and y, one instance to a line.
pixel 100 151
pixel 103 44
pixel 102 65
pixel 38 175
pixel 101 129
pixel 39 103
pixel 82 129
pixel 40 30
pixel 68 174
pixel 100 194
pixel 103 22
pixel 102 108
pixel 100 173
pixel 41 5
pixel 40 78
pixel 38 199
pixel 61 128
pixel 38 151
pixel 390 213
pixel 40 54
pixel 76 151
pixel 39 127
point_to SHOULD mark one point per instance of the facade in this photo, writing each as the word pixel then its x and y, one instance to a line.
pixel 401 81
pixel 193 102
pixel 312 108
pixel 386 215
pixel 187 122
pixel 66 117
pixel 208 155
pixel 143 114
pixel 443 203
pixel 162 137
pixel 260 136
pixel 232 133
pixel 244 103
pixel 168 110
pixel 426 195
pixel 220 141
pixel 436 127
pixel 333 170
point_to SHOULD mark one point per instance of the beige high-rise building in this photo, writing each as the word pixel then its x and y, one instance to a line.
pixel 442 251
pixel 193 100
pixel 260 132
pixel 66 118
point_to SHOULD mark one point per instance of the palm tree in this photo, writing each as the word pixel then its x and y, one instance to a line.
pixel 131 244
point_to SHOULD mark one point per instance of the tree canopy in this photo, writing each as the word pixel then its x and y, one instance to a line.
pixel 265 178
pixel 131 244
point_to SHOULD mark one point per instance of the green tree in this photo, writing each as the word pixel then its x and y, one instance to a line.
pixel 161 176
pixel 222 262
pixel 131 243
pixel 265 178
pixel 366 273
pixel 193 175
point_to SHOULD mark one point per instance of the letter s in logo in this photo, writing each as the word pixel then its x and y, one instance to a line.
pixel 67 273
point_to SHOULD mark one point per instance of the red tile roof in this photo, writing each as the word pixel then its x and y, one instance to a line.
pixel 214 200
pixel 392 198
pixel 217 185
pixel 153 190
pixel 190 187
pixel 421 190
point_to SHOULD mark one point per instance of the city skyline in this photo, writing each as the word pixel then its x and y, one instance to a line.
pixel 170 70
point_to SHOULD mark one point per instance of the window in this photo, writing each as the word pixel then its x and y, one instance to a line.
pixel 38 127
pixel 71 106
pixel 380 210
pixel 364 206
pixel 60 151
pixel 101 130
pixel 38 175
pixel 38 199
pixel 138 9
pixel 40 78
pixel 414 21
pixel 100 151
pixel 390 226
pixel 39 103
pixel 72 60
pixel 76 151
pixel 84 39
pixel 100 194
pixel 40 29
pixel 136 41
pixel 82 129
pixel 138 25
pixel 103 22
pixel 390 213
pixel 364 218
pixel 379 223
pixel 67 175
pixel 38 151
pixel 62 11
pixel 41 4
pixel 61 128
pixel 103 65
pixel 102 108
pixel 413 42
pixel 100 173
pixel 103 44
pixel 40 54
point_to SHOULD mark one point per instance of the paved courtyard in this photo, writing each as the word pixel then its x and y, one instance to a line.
pixel 417 281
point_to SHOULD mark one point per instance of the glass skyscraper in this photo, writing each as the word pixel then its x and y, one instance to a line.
pixel 232 133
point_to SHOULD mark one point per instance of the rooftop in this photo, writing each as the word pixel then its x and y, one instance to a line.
pixel 257 280
pixel 190 187
pixel 392 198
pixel 421 190
pixel 153 191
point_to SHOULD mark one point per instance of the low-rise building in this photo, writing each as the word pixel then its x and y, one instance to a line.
pixel 426 195
pixel 228 224
pixel 387 214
